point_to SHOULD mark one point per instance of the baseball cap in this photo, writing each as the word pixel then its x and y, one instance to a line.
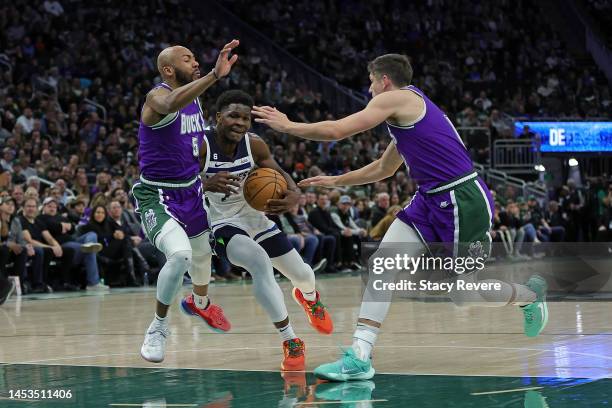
pixel 531 197
pixel 345 200
pixel 6 200
pixel 48 200
pixel 76 200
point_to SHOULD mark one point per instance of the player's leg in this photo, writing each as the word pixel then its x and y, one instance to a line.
pixel 356 361
pixel 174 243
pixel 289 262
pixel 198 303
pixel 154 206
pixel 241 250
pixel 472 213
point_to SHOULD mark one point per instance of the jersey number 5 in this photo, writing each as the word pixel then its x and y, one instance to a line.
pixel 196 148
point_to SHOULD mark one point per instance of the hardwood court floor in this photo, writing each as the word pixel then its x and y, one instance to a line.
pixel 432 354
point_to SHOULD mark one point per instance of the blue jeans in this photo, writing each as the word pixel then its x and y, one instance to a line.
pixel 311 242
pixel 88 260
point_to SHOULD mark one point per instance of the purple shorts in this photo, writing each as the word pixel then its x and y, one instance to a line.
pixel 459 211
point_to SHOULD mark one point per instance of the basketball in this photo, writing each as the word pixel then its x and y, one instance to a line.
pixel 262 185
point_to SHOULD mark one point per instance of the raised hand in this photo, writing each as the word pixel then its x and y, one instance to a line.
pixel 268 115
pixel 224 61
pixel 323 181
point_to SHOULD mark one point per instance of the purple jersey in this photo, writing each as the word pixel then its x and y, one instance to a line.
pixel 170 149
pixel 431 147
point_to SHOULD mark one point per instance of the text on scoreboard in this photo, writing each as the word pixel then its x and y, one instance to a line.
pixel 570 136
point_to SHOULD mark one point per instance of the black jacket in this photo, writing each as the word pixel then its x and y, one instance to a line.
pixel 322 220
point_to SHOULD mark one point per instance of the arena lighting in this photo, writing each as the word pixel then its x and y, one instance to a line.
pixel 539 167
pixel 572 162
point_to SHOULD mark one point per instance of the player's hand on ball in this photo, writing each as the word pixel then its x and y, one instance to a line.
pixel 222 182
pixel 268 115
pixel 323 181
pixel 224 62
pixel 282 205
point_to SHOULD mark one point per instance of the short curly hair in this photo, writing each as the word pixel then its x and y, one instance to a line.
pixel 234 96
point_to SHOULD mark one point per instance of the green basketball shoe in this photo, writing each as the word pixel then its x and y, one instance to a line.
pixel 348 368
pixel 536 314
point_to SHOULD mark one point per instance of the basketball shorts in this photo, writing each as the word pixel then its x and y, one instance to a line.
pixel 157 202
pixel 459 212
pixel 256 226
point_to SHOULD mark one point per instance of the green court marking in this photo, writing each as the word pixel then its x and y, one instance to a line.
pixel 154 387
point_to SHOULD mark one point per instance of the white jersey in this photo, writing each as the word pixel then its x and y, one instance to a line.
pixel 223 207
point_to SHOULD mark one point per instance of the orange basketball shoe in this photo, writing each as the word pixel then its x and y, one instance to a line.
pixel 317 314
pixel 295 355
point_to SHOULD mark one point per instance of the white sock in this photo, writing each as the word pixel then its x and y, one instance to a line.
pixel 310 296
pixel 364 339
pixel 287 332
pixel 523 295
pixel 159 321
pixel 201 302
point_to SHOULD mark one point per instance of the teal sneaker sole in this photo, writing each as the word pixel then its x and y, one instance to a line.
pixel 346 377
pixel 541 299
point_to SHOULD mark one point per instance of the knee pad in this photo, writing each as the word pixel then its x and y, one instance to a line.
pixel 180 261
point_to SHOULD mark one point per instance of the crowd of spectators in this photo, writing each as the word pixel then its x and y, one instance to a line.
pixel 73 76
pixel 467 54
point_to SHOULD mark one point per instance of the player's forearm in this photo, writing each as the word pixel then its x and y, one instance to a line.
pixel 320 131
pixel 184 95
pixel 371 173
pixel 290 183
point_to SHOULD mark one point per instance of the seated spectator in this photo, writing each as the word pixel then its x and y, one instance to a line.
pixel 84 246
pixel 327 243
pixel 552 228
pixel 76 211
pixel 380 229
pixel 47 249
pixel 604 222
pixel 14 249
pixel 361 213
pixel 116 250
pixel 320 218
pixel 305 243
pixel 136 242
pixel 310 201
pixel 511 220
pixel 18 196
pixel 351 234
pixel 379 210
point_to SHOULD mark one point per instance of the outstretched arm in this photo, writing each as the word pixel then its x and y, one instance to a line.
pixel 162 101
pixel 378 170
pixel 377 111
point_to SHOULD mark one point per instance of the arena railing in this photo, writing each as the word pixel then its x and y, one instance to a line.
pixel 340 99
pixel 51 184
pixel 516 156
pixel 97 106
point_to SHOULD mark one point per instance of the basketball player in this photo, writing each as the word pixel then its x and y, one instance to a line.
pixel 245 236
pixel 169 196
pixel 452 204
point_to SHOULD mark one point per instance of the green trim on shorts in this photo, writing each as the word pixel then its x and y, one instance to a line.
pixel 472 219
pixel 153 212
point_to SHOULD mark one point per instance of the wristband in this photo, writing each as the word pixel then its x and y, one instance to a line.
pixel 215 74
